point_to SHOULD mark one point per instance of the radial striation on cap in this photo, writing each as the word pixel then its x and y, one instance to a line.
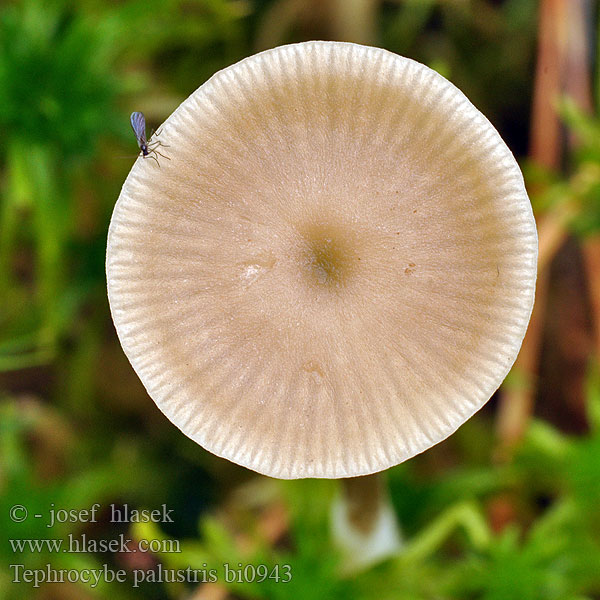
pixel 335 269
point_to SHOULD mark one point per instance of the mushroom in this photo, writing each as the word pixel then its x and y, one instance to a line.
pixel 334 271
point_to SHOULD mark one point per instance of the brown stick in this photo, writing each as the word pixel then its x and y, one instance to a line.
pixel 516 405
pixel 591 255
pixel 517 402
pixel 578 87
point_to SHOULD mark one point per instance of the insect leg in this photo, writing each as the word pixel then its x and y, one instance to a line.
pixel 157 143
pixel 154 159
pixel 160 154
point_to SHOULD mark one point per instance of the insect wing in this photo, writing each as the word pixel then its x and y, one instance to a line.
pixel 138 124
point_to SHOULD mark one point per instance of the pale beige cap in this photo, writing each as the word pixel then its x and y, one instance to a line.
pixel 335 269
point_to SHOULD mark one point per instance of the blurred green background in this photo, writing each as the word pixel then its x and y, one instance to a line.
pixel 508 507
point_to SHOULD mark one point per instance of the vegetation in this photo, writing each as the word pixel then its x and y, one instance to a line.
pixel 487 514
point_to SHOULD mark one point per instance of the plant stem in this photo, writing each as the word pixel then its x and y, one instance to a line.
pixel 465 515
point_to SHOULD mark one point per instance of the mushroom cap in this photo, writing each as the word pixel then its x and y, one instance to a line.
pixel 334 270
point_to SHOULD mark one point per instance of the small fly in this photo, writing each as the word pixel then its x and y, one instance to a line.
pixel 138 124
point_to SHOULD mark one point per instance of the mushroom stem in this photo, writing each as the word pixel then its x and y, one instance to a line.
pixel 363 523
